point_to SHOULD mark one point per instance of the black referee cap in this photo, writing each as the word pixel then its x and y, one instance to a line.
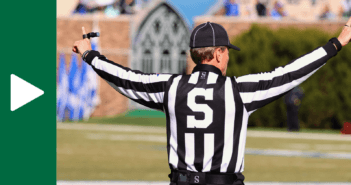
pixel 210 34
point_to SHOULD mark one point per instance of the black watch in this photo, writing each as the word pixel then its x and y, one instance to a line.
pixel 336 42
pixel 85 54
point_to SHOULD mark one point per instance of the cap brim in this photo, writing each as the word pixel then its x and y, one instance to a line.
pixel 234 47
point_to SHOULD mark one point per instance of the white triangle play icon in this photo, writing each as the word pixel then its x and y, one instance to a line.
pixel 22 92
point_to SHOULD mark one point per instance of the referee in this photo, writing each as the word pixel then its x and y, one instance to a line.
pixel 207 112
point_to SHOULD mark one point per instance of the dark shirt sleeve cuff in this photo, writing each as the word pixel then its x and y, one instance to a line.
pixel 330 49
pixel 91 55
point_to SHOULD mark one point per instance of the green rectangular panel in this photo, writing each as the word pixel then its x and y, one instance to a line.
pixel 28 134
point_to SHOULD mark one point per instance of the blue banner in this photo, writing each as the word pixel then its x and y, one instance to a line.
pixel 76 91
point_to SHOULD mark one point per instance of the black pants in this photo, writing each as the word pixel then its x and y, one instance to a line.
pixel 206 179
pixel 235 183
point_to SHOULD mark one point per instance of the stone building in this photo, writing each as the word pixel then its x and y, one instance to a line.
pixel 155 40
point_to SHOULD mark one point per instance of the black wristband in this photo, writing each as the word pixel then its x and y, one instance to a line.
pixel 336 42
pixel 91 35
pixel 85 54
pixel 92 54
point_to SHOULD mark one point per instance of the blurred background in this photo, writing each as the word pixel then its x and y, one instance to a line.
pixel 101 135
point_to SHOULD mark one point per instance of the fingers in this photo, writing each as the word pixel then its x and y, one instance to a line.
pixel 75 47
pixel 81 45
pixel 345 35
pixel 347 29
pixel 83 29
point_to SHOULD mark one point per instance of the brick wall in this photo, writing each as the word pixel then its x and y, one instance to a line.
pixel 115 45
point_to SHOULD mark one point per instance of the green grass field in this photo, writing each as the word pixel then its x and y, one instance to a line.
pixel 157 118
pixel 88 154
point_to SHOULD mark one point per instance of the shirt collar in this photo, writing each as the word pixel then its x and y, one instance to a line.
pixel 206 67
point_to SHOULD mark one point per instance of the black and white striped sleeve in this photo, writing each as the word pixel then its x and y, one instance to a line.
pixel 146 89
pixel 257 90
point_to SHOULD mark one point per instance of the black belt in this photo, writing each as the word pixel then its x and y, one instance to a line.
pixel 183 177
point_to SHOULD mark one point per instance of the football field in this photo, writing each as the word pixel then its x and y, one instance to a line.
pixel 102 152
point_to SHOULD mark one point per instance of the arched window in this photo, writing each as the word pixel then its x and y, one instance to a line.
pixel 160 42
pixel 165 66
pixel 182 62
pixel 147 62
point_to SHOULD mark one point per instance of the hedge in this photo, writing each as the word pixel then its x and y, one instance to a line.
pixel 327 101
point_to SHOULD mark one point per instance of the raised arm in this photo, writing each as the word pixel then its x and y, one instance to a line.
pixel 257 90
pixel 146 89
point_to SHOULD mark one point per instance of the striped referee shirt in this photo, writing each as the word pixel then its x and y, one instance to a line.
pixel 207 113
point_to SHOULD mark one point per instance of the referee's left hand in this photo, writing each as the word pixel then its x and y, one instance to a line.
pixel 82 45
pixel 345 36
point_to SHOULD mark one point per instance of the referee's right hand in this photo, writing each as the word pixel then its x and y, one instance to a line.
pixel 345 36
pixel 82 45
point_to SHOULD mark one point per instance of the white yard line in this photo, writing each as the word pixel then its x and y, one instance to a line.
pixel 250 133
pixel 296 135
pixel 292 153
pixel 123 137
pixel 248 151
pixel 167 183
pixel 112 128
